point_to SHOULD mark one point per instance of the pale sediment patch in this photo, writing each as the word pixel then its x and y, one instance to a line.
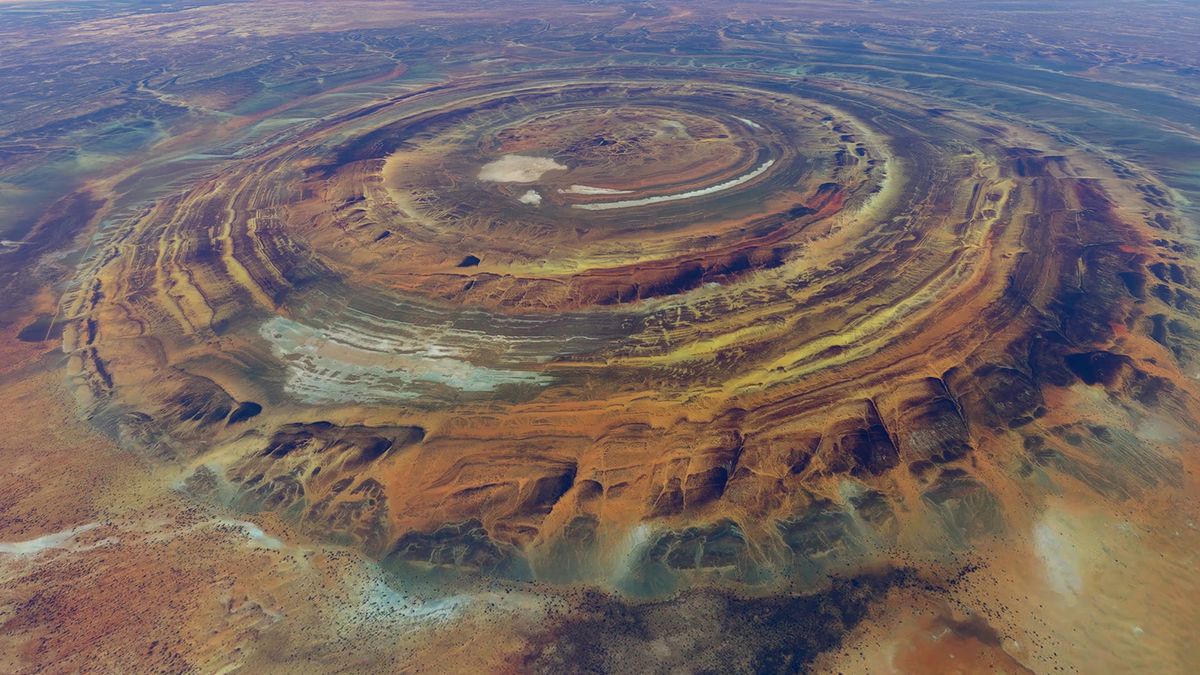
pixel 589 190
pixel 531 198
pixel 1055 549
pixel 338 363
pixel 386 602
pixel 518 169
pixel 56 540
pixel 624 553
pixel 645 201
pixel 255 534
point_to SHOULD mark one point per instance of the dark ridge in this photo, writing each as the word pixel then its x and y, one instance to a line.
pixel 690 275
pixel 1158 329
pixel 546 491
pixel 1098 367
pixel 376 449
pixel 465 545
pixel 669 500
pixel 1135 282
pixel 686 278
pixel 244 411
pixel 40 330
pixel 217 414
pixel 706 486
pixel 749 634
pixel 721 544
pixel 102 370
pixel 872 449
pixel 800 210
pixel 589 490
pixel 202 402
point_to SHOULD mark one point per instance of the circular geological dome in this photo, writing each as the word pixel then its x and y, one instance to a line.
pixel 650 325
pixel 662 336
pixel 567 193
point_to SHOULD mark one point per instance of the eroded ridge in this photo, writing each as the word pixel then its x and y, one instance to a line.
pixel 644 328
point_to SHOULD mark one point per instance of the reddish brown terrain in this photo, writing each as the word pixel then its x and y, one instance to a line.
pixel 642 337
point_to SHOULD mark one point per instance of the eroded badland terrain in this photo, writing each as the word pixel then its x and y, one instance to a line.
pixel 595 336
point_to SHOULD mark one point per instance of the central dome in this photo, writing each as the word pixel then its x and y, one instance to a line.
pixel 554 195
pixel 633 148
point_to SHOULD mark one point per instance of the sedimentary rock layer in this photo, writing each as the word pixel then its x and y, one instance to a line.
pixel 752 327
